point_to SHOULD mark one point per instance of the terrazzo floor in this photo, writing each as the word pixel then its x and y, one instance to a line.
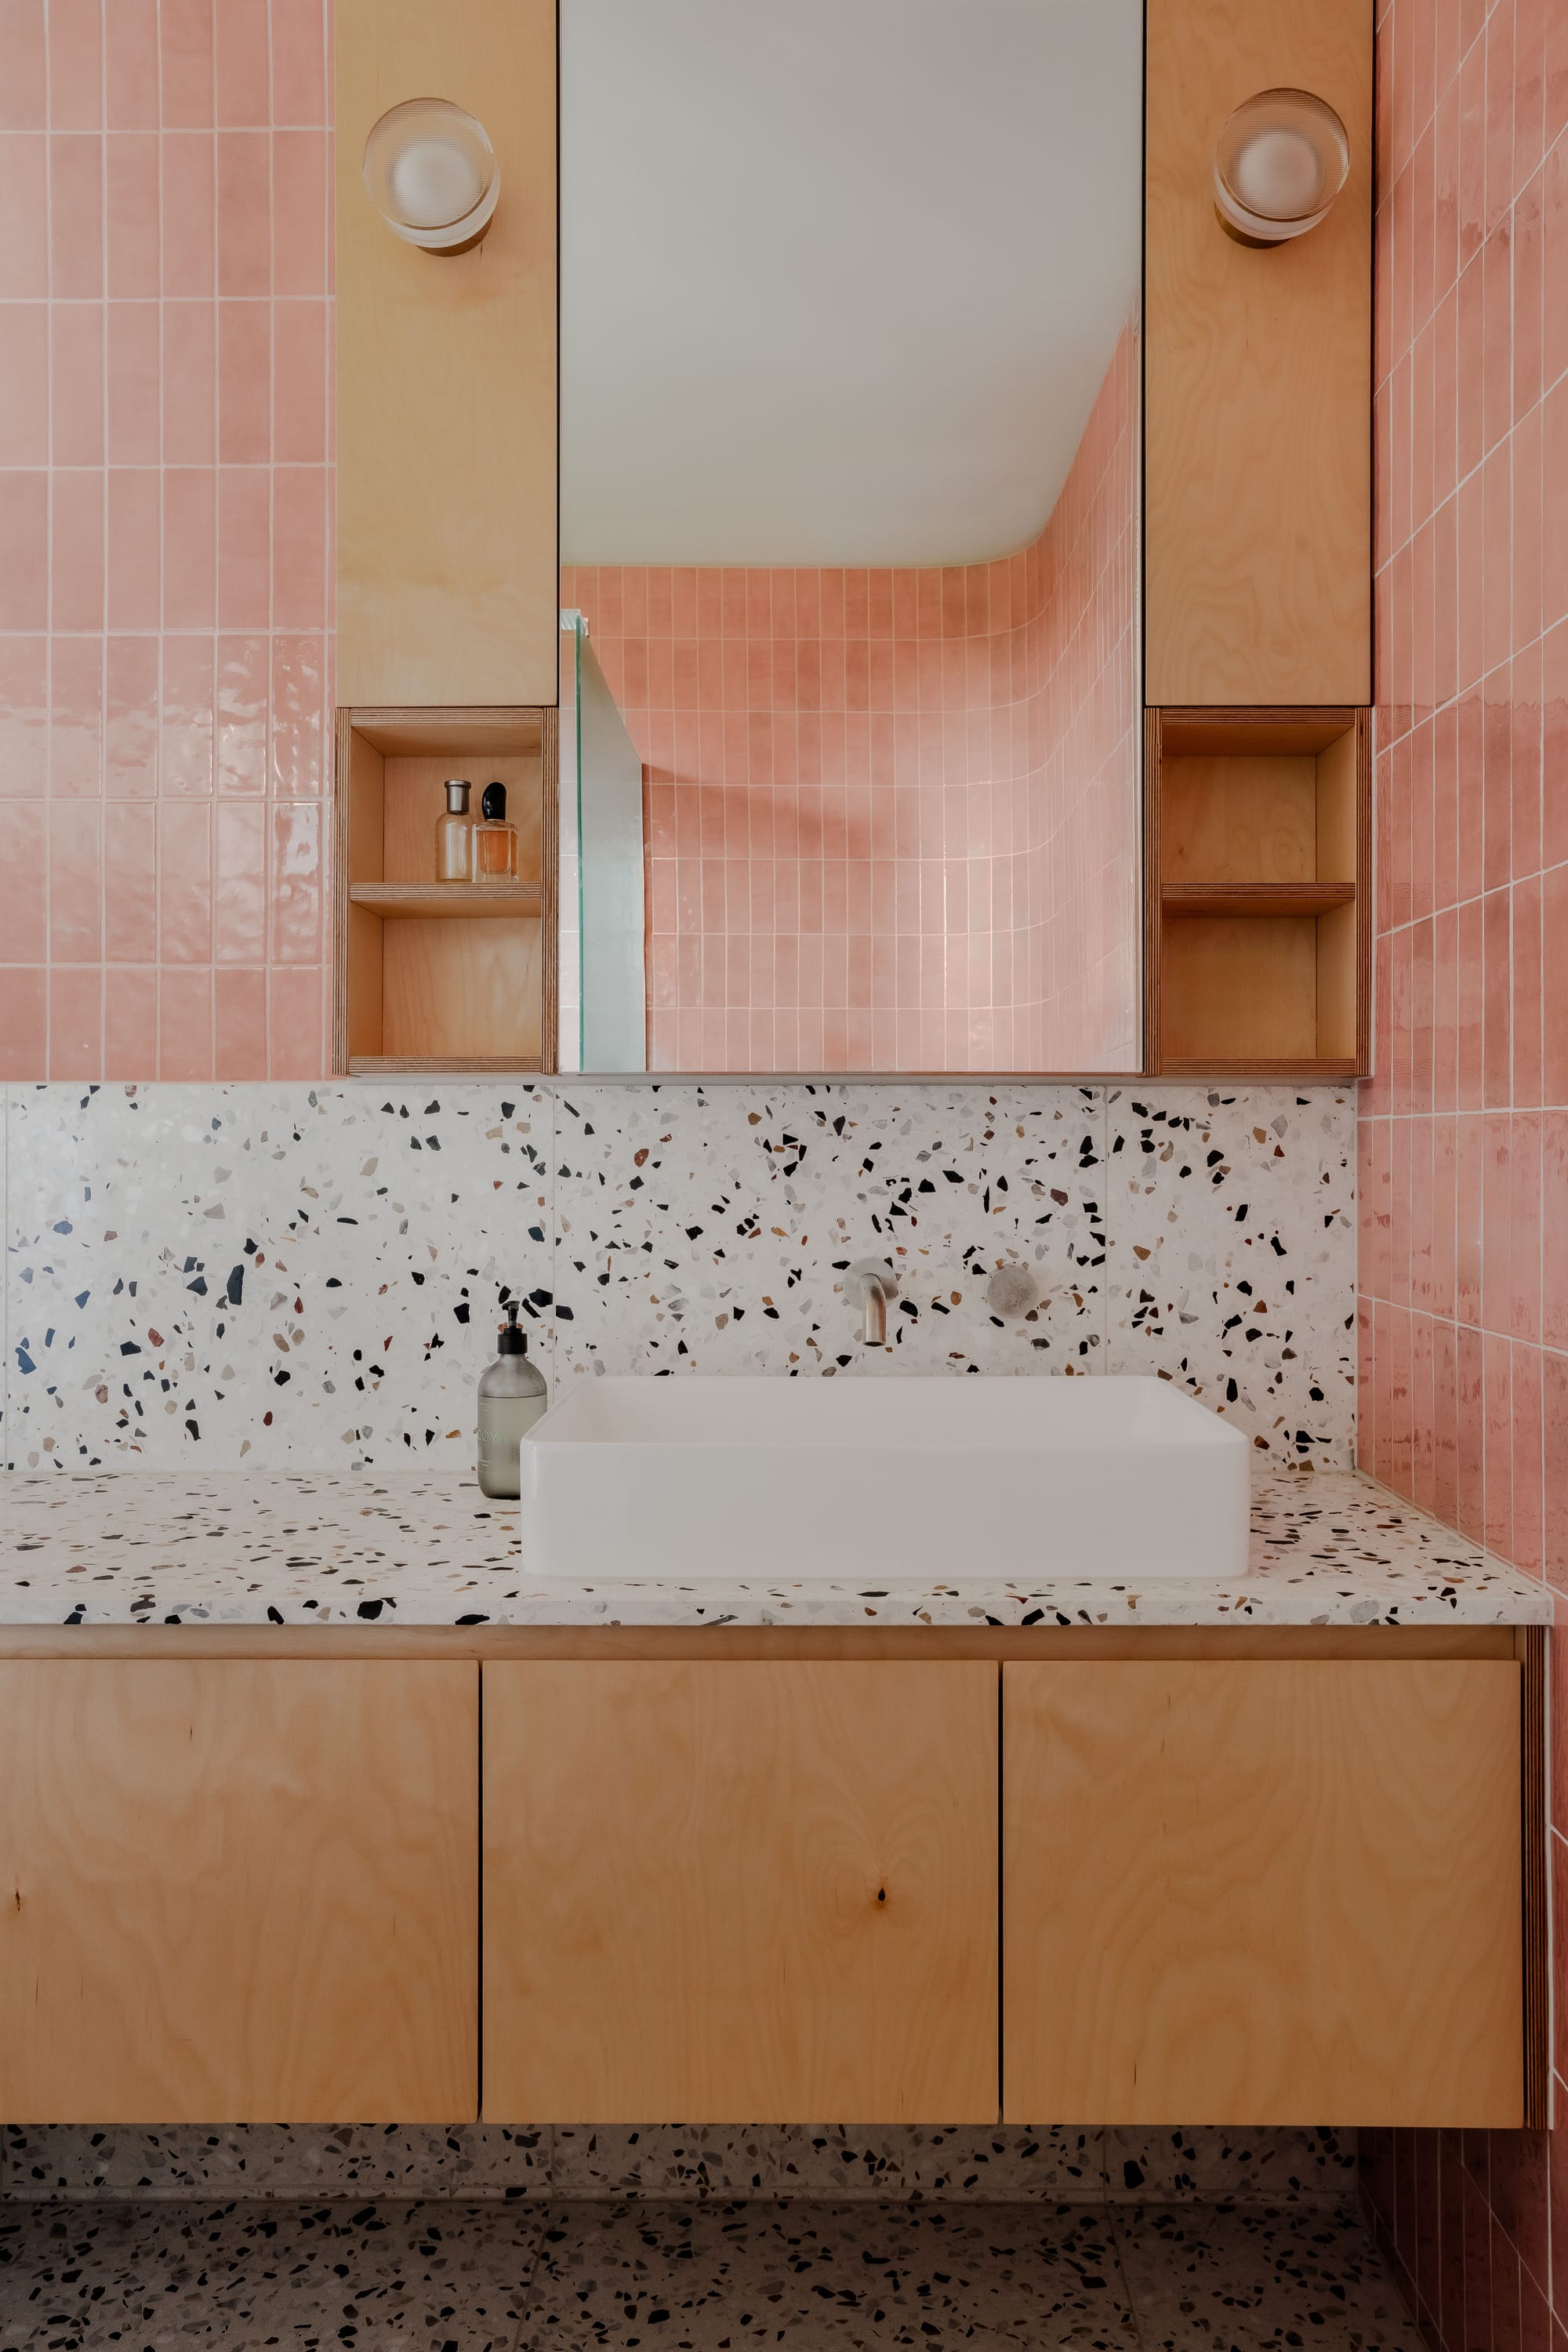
pixel 691 2277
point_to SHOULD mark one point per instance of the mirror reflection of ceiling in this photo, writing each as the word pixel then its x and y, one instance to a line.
pixel 840 279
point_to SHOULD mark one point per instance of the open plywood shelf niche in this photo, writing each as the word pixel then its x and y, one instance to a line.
pixel 1260 913
pixel 450 977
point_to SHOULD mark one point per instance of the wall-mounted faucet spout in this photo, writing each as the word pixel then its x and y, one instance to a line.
pixel 870 1284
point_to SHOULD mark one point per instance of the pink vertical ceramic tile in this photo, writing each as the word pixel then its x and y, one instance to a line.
pixel 187 213
pixel 24 858
pixel 131 908
pixel 132 243
pixel 24 714
pixel 190 547
pixel 75 883
pixel 132 408
pixel 243 204
pixel 76 550
pixel 76 1021
pixel 24 218
pixel 23 70
pixel 242 63
pixel 25 387
pixel 299 62
pixel 24 1032
pixel 300 171
pixel 185 63
pixel 299 381
pixel 239 1023
pixel 76 718
pixel 189 379
pixel 76 406
pixel 75 65
pixel 131 64
pixel 76 217
pixel 185 1023
pixel 1526 1470
pixel 185 831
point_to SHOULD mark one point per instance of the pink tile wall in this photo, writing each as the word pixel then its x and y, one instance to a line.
pixel 166 503
pixel 889 814
pixel 1464 1131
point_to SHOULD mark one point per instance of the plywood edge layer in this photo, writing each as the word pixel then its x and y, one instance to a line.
pixel 619 1643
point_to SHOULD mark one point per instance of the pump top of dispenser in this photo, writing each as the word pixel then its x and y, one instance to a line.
pixel 458 791
pixel 512 1342
pixel 492 802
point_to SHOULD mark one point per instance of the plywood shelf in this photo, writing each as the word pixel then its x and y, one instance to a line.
pixel 443 902
pixel 1259 847
pixel 1241 899
pixel 454 977
pixel 383 1066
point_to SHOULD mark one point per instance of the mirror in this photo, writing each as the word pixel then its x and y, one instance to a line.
pixel 850 398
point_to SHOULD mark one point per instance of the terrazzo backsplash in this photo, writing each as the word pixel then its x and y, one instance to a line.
pixel 308 1277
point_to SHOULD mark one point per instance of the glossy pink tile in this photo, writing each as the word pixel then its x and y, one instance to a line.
pixel 23 217
pixel 25 387
pixel 133 236
pixel 75 65
pixel 23 70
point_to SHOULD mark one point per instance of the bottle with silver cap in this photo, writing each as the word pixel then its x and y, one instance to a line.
pixel 455 834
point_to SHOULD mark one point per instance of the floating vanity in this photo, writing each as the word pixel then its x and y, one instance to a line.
pixel 317 1792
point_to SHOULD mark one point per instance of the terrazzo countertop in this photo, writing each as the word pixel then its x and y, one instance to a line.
pixel 235 1548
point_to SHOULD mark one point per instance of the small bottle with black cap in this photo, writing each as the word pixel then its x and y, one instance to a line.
pixel 494 841
pixel 512 1395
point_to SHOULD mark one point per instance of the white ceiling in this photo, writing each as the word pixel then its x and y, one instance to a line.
pixel 839 278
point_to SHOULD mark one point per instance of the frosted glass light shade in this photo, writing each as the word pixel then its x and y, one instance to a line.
pixel 1279 161
pixel 432 175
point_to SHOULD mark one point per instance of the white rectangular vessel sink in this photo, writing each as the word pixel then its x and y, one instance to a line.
pixel 878 1481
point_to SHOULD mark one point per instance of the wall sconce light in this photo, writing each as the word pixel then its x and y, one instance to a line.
pixel 432 175
pixel 1279 161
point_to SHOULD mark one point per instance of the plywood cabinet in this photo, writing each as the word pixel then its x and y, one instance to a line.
pixel 238 1891
pixel 1272 1892
pixel 1257 374
pixel 448 569
pixel 1241 1889
pixel 741 1892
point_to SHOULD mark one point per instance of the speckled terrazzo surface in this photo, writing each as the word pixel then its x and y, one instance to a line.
pixel 694 2277
pixel 306 1277
pixel 241 1549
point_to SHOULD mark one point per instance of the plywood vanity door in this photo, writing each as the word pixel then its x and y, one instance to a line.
pixel 740 1892
pixel 238 1891
pixel 1263 1893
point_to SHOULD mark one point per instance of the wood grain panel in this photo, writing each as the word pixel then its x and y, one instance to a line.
pixel 1263 1894
pixel 1240 990
pixel 463 990
pixel 1257 372
pixel 238 1891
pixel 858 1643
pixel 447 567
pixel 1251 817
pixel 740 1892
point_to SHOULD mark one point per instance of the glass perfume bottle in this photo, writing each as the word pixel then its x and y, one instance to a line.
pixel 494 841
pixel 455 834
pixel 512 1395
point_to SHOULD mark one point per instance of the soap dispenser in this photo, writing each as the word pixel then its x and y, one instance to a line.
pixel 512 1395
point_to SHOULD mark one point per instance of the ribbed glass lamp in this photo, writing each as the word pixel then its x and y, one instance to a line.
pixel 1279 161
pixel 432 175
